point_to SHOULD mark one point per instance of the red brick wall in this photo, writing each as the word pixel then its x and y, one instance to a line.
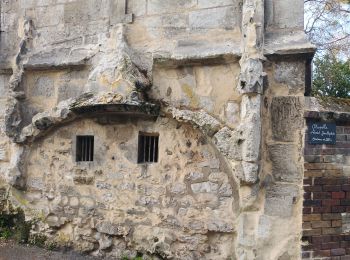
pixel 326 197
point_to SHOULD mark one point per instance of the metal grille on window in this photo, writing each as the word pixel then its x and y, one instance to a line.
pixel 148 148
pixel 85 148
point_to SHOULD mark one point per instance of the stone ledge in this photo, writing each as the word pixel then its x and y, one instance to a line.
pixel 286 42
pixel 327 109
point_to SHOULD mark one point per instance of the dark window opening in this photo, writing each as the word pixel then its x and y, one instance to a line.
pixel 148 148
pixel 85 148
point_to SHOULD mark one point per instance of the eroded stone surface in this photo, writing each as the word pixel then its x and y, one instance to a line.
pixel 286 117
pixel 283 157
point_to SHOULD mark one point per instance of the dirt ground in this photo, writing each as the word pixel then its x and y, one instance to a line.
pixel 12 251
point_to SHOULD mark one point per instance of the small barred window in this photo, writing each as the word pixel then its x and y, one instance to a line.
pixel 85 148
pixel 148 148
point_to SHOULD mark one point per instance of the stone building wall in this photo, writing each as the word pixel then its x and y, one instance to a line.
pixel 326 187
pixel 116 200
pixel 221 83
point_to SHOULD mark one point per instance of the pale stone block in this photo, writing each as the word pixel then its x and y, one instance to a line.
pixel 169 6
pixel 215 3
pixel 175 20
pixel 48 15
pixel 289 14
pixel 232 113
pixel 291 74
pixel 223 17
pixel 44 87
pixel 264 227
pixel 281 199
pixel 285 160
pixel 136 7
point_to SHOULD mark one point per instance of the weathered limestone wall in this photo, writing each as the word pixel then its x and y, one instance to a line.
pixel 222 82
pixel 326 185
pixel 187 196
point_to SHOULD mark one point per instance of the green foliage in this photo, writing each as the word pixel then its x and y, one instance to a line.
pixel 5 233
pixel 331 77
pixel 37 240
pixel 14 226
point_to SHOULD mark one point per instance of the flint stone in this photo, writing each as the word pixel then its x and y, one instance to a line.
pixel 126 186
pixel 103 186
pixel 285 158
pixel 178 188
pixel 218 225
pixel 193 176
pixel 225 190
pixel 218 177
pixel 205 187
pixel 147 201
pixel 112 229
pixel 280 200
pixel 105 242
pixel 286 118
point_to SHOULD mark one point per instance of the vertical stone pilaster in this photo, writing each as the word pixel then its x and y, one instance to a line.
pixel 251 86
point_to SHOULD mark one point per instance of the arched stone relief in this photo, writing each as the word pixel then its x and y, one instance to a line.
pixel 190 188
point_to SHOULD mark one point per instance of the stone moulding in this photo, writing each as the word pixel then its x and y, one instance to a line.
pixel 88 104
pixel 231 143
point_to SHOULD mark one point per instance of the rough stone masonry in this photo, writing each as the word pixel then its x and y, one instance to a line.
pixel 194 114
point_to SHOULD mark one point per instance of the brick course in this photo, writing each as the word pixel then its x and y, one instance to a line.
pixel 326 197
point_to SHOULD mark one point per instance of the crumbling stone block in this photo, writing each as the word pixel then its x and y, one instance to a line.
pixel 286 118
pixel 284 158
pixel 281 199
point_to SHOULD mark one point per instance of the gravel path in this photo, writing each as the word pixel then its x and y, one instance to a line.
pixel 12 251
